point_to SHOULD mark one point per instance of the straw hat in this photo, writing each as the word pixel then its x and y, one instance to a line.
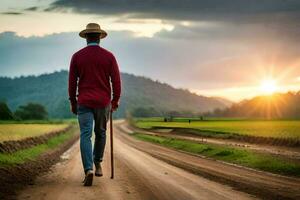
pixel 93 28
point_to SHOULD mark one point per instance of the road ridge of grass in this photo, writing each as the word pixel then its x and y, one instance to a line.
pixel 246 158
pixel 31 153
pixel 12 146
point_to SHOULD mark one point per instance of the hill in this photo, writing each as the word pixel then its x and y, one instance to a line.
pixel 50 90
pixel 276 106
pixel 225 101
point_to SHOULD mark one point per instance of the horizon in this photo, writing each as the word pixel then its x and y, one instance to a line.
pixel 197 46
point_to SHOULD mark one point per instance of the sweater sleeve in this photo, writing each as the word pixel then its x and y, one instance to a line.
pixel 73 76
pixel 115 80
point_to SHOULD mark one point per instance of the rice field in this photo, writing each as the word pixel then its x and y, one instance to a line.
pixel 263 128
pixel 21 131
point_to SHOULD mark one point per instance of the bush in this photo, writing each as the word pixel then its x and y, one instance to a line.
pixel 31 111
pixel 5 113
pixel 145 112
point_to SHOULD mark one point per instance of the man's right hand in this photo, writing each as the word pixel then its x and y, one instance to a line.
pixel 73 108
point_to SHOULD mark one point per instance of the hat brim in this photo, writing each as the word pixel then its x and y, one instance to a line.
pixel 83 33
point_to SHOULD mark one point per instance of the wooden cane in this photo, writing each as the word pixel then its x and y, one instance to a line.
pixel 111 145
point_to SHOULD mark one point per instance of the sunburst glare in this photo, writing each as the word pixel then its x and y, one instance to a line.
pixel 268 86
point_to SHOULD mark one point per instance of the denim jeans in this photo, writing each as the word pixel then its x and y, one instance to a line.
pixel 86 118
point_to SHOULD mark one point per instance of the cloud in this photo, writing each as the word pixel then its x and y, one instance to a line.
pixel 272 33
pixel 207 63
pixel 11 13
pixel 202 19
pixel 212 10
pixel 34 8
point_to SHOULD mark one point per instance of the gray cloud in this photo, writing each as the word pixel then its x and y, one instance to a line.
pixel 11 13
pixel 233 10
pixel 243 20
pixel 34 8
pixel 288 32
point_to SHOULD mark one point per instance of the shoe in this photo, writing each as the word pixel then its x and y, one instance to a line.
pixel 88 180
pixel 98 170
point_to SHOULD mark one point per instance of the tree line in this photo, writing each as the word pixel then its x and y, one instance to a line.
pixel 276 106
pixel 30 111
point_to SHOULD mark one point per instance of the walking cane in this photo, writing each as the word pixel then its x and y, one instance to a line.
pixel 111 145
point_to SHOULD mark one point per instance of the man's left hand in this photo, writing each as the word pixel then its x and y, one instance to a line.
pixel 114 105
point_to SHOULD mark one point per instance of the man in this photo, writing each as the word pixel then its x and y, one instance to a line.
pixel 93 71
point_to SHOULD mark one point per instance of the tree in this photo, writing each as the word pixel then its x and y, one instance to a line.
pixel 145 112
pixel 5 113
pixel 31 111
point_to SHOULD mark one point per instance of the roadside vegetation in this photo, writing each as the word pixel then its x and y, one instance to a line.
pixel 56 132
pixel 30 147
pixel 47 121
pixel 20 157
pixel 247 158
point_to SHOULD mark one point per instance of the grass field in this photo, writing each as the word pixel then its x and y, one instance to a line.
pixel 20 131
pixel 242 157
pixel 47 121
pixel 264 128
pixel 32 153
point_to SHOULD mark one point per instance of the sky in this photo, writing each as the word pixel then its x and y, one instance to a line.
pixel 235 49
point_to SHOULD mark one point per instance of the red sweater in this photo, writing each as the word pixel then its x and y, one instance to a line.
pixel 91 70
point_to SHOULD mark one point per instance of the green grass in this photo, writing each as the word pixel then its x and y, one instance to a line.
pixel 263 128
pixel 47 121
pixel 21 131
pixel 238 156
pixel 32 153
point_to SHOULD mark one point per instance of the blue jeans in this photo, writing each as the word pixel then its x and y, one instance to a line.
pixel 86 118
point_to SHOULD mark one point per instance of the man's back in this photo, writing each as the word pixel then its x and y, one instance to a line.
pixel 94 67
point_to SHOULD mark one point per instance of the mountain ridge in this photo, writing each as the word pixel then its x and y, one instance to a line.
pixel 137 91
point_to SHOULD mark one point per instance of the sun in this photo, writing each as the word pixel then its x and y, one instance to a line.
pixel 268 86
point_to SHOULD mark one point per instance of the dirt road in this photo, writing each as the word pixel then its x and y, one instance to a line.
pixel 138 175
